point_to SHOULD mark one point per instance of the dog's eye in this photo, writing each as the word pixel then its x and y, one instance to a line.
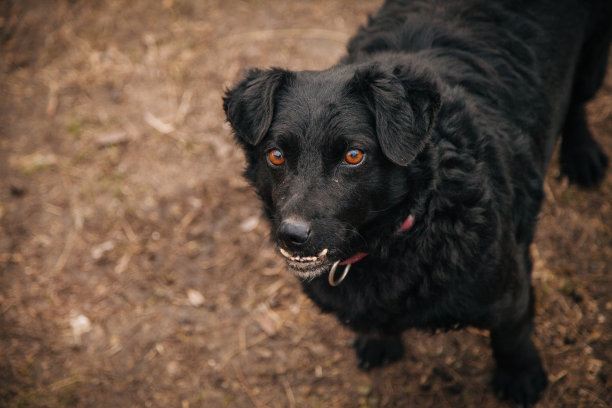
pixel 275 157
pixel 353 157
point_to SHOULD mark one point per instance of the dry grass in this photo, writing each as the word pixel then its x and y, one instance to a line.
pixel 134 264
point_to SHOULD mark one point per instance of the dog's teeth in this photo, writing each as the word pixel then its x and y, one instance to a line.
pixel 302 259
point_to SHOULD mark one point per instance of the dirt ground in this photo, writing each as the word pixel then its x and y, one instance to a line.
pixel 135 268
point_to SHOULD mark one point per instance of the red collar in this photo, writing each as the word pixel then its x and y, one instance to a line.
pixel 408 223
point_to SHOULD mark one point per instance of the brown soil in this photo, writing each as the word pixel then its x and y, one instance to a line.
pixel 135 269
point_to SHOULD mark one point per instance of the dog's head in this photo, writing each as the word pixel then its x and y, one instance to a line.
pixel 330 151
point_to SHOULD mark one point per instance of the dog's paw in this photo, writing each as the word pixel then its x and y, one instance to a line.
pixel 584 164
pixel 521 386
pixel 375 352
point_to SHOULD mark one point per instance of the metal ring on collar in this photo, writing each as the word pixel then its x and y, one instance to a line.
pixel 332 272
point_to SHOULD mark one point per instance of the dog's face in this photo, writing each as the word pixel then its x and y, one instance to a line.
pixel 328 153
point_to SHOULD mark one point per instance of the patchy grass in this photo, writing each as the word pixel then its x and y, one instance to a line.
pixel 121 194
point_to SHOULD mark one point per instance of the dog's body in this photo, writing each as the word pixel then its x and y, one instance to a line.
pixel 419 161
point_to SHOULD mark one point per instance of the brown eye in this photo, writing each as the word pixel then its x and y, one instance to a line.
pixel 275 157
pixel 353 157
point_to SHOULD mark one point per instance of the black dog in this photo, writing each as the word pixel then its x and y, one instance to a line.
pixel 417 162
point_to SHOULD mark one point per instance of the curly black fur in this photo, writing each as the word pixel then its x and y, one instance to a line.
pixel 457 106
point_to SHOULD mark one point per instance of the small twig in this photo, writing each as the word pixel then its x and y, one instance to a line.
pixel 245 385
pixel 186 221
pixel 52 102
pixel 289 392
pixel 129 232
pixel 123 263
pixel 63 258
pixel 184 107
pixel 565 305
pixel 549 193
pixel 242 339
pixel 64 383
pixel 554 379
pixel 157 124
pixel 112 139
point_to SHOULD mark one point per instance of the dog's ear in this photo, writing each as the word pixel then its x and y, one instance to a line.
pixel 249 106
pixel 404 104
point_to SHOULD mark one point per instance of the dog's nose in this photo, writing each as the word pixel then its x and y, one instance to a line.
pixel 294 232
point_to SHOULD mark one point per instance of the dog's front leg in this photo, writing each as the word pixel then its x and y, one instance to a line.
pixel 519 375
pixel 375 351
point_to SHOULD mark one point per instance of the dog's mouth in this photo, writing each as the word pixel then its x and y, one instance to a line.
pixel 307 267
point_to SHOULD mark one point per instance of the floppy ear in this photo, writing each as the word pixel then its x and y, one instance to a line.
pixel 249 106
pixel 404 104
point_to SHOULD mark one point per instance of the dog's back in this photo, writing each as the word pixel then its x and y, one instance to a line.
pixel 539 56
